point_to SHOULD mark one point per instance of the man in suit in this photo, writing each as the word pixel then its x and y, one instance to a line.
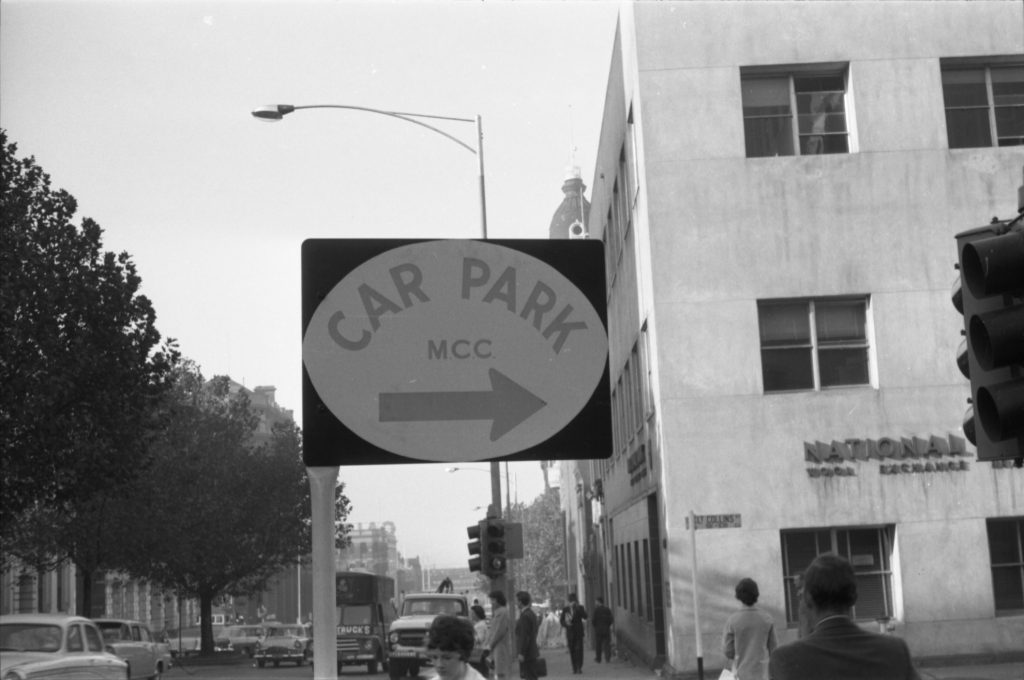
pixel 572 620
pixel 526 637
pixel 603 619
pixel 837 648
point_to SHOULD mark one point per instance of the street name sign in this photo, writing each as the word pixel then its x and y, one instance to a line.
pixel 733 521
pixel 453 351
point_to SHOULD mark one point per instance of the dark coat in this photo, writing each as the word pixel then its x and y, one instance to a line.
pixel 526 634
pixel 572 619
pixel 839 649
pixel 602 619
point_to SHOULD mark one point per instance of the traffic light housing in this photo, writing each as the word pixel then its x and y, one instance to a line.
pixel 991 298
pixel 495 554
pixel 474 546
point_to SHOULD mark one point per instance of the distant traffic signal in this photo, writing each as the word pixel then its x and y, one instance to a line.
pixel 474 546
pixel 991 298
pixel 494 550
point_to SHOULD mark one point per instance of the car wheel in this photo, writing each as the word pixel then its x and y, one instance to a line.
pixel 371 667
pixel 396 670
pixel 414 670
pixel 261 663
pixel 299 661
pixel 277 663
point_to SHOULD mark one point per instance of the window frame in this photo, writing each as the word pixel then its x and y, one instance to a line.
pixel 839 536
pixel 986 65
pixel 791 73
pixel 1017 565
pixel 815 345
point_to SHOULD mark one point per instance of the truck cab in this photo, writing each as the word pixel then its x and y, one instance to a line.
pixel 407 638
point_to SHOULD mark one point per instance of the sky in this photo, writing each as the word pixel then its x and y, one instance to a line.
pixel 141 110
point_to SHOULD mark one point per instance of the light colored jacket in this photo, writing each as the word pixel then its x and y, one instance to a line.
pixel 748 639
pixel 499 641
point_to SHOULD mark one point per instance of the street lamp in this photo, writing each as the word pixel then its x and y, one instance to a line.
pixel 275 112
pixel 322 479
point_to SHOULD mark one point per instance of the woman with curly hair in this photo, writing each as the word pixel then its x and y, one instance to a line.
pixel 449 645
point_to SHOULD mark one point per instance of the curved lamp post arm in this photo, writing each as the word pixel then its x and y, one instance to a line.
pixel 275 112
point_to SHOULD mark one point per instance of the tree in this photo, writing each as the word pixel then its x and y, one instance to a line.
pixel 229 512
pixel 81 360
pixel 543 565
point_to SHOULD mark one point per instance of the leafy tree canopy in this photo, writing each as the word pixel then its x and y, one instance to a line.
pixel 218 512
pixel 81 360
pixel 543 566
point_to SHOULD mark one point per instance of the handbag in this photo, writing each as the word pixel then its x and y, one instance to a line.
pixel 540 667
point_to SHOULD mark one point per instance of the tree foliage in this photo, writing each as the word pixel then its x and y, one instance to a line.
pixel 218 512
pixel 81 360
pixel 542 573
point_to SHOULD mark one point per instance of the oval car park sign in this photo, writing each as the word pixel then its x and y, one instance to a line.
pixel 449 350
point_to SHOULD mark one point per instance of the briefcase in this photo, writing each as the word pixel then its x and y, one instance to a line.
pixel 540 667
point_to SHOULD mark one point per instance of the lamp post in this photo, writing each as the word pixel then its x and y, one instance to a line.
pixel 275 112
pixel 322 496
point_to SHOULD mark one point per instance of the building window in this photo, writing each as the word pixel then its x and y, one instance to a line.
pixel 813 344
pixel 1006 552
pixel 869 550
pixel 984 104
pixel 817 97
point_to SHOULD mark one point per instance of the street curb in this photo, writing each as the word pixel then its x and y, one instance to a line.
pixel 981 659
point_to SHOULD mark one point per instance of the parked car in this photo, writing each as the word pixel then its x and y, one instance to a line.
pixel 163 646
pixel 242 638
pixel 132 641
pixel 285 642
pixel 55 645
pixel 187 641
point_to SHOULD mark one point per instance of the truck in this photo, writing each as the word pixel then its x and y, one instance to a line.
pixel 365 609
pixel 407 637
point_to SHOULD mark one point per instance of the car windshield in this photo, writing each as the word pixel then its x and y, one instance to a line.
pixel 354 615
pixel 281 631
pixel 444 606
pixel 113 631
pixel 30 637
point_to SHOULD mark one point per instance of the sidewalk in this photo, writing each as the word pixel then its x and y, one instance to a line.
pixel 560 668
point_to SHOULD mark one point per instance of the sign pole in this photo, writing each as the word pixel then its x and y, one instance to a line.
pixel 322 483
pixel 696 606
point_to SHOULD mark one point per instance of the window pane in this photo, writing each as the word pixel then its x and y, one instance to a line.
pixel 767 117
pixel 1010 125
pixel 1004 544
pixel 964 87
pixel 784 324
pixel 839 321
pixel 819 83
pixel 765 97
pixel 843 366
pixel 968 128
pixel 1008 588
pixel 865 550
pixel 787 369
pixel 801 549
pixel 766 137
pixel 872 596
pixel 1008 86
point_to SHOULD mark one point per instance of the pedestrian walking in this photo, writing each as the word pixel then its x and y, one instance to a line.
pixel 749 635
pixel 572 620
pixel 837 648
pixel 499 636
pixel 526 637
pixel 602 620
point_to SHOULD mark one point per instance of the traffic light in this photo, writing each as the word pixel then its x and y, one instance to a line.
pixel 474 546
pixel 494 550
pixel 991 298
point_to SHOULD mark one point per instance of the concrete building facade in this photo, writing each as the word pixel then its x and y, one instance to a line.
pixel 778 186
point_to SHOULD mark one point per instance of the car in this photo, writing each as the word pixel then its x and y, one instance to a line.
pixel 132 641
pixel 241 638
pixel 163 647
pixel 285 642
pixel 407 637
pixel 187 641
pixel 55 646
